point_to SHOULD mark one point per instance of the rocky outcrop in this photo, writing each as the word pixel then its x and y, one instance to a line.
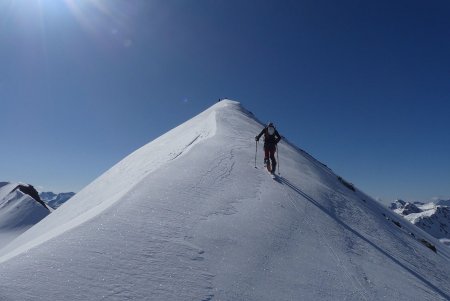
pixel 31 191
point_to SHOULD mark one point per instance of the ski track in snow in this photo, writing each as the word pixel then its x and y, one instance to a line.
pixel 304 214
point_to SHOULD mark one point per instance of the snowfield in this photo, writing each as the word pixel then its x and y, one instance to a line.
pixel 189 217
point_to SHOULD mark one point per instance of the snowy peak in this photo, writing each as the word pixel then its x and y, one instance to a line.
pixel 7 188
pixel 31 191
pixel 404 208
pixel 47 196
pixel 193 216
pixel 55 200
pixel 20 208
pixel 433 217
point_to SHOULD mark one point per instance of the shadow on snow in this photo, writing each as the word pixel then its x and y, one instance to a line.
pixel 356 233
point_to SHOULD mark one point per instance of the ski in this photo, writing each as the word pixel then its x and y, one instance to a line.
pixel 272 175
pixel 268 167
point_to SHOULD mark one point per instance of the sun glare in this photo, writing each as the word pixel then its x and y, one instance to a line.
pixel 89 13
pixel 102 19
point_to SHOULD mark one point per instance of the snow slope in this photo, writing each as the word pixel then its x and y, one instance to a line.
pixel 18 212
pixel 189 217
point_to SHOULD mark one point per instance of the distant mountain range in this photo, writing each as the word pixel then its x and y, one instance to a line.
pixel 432 217
pixel 55 200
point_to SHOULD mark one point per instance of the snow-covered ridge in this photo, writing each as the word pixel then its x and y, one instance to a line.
pixel 121 179
pixel 7 189
pixel 189 217
pixel 432 217
pixel 20 208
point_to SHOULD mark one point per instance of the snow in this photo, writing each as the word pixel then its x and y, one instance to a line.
pixel 5 189
pixel 432 217
pixel 189 217
pixel 54 200
pixel 18 212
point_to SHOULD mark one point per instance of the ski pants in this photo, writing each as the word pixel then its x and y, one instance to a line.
pixel 269 152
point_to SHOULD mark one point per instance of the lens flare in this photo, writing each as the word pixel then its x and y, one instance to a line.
pixel 92 15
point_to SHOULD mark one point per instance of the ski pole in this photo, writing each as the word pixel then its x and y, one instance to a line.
pixel 256 152
pixel 278 159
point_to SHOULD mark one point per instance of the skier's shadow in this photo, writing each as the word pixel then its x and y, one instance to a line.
pixel 286 182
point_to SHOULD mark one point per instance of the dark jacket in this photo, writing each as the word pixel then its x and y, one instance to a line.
pixel 269 140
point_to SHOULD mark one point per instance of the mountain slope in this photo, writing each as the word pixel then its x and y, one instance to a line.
pixel 19 210
pixel 188 217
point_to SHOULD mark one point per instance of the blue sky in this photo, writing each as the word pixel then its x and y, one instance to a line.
pixel 364 86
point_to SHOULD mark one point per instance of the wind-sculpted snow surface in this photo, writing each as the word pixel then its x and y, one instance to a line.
pixel 188 217
pixel 119 181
